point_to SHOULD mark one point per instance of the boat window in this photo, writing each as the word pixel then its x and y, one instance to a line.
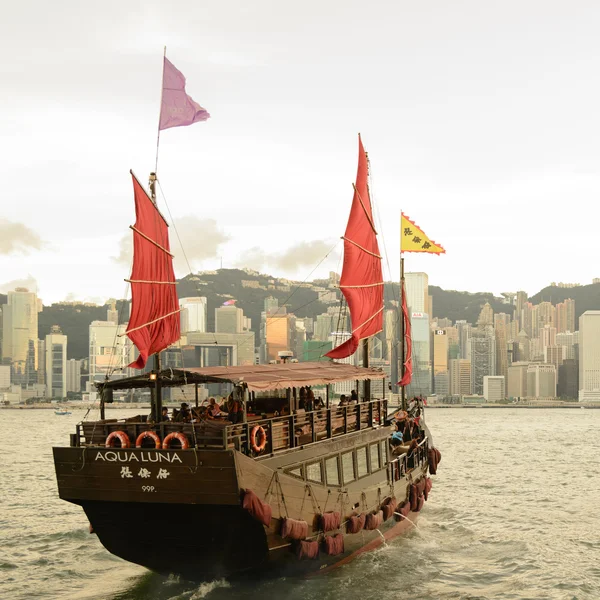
pixel 348 467
pixel 314 472
pixel 297 471
pixel 362 466
pixel 375 458
pixel 331 467
pixel 384 452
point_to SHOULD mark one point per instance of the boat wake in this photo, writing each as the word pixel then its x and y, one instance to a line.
pixel 202 591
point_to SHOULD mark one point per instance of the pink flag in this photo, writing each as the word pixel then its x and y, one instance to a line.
pixel 177 107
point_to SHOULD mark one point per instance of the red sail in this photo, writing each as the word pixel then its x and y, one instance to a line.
pixel 362 280
pixel 154 322
pixel 407 367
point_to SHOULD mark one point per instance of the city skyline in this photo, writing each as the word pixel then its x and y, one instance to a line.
pixel 464 135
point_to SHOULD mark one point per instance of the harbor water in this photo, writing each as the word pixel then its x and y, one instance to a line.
pixel 512 514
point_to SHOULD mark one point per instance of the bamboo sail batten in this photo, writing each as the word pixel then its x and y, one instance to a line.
pixel 132 227
pixel 150 322
pixel 360 247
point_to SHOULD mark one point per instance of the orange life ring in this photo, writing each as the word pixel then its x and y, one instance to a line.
pixel 148 434
pixel 176 436
pixel 258 445
pixel 117 435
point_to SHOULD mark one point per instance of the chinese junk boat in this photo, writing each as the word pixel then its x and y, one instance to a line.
pixel 278 489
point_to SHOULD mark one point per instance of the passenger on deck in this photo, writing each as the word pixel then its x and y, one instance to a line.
pixel 302 398
pixel 165 414
pixel 214 410
pixel 183 416
pixel 309 405
pixel 353 396
pixel 343 400
pixel 234 409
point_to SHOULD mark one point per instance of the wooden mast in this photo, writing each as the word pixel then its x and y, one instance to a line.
pixel 156 392
pixel 403 354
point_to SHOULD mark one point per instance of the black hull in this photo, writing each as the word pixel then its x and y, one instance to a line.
pixel 180 511
pixel 200 543
pixel 204 543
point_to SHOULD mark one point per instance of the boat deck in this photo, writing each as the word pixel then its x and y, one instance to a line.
pixel 282 432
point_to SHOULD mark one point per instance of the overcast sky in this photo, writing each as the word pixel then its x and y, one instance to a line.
pixel 481 120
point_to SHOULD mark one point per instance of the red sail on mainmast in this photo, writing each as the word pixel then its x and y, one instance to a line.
pixel 154 322
pixel 361 281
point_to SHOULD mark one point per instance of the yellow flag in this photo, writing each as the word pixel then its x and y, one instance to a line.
pixel 412 238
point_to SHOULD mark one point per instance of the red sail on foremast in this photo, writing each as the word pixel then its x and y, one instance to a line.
pixel 361 281
pixel 407 367
pixel 154 322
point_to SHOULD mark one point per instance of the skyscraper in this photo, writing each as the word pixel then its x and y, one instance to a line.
pixel 565 316
pixel 19 328
pixel 229 319
pixel 589 356
pixel 194 314
pixel 422 374
pixel 417 292
pixel 73 375
pixel 460 377
pixel 541 380
pixel 494 388
pixel 110 351
pixel 482 350
pixel 56 363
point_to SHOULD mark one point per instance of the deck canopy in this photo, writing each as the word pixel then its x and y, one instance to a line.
pixel 256 378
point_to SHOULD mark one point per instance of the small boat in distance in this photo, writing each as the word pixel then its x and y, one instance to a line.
pixel 62 411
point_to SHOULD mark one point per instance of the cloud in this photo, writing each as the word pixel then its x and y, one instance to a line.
pixel 29 282
pixel 200 239
pixel 16 237
pixel 303 254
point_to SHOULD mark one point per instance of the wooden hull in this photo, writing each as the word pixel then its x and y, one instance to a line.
pixel 176 511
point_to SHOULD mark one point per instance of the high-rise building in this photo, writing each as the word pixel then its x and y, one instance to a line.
pixel 547 335
pixel 501 332
pixel 440 351
pixel 553 356
pixel 417 292
pixel 589 356
pixel 482 350
pixel 73 375
pixel 541 381
pixel 494 388
pixel 460 377
pixel 194 314
pixel 280 334
pixel 527 318
pixel 568 379
pixel 464 333
pixel 524 354
pixel 486 316
pixel 546 315
pixel 229 319
pixel 4 377
pixel 520 301
pixel 565 316
pixel 422 372
pixel 441 384
pixel 110 351
pixel 517 380
pixel 568 341
pixel 112 314
pixel 20 332
pixel 56 363
pixel 208 349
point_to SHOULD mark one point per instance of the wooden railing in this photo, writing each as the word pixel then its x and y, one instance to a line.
pixel 408 461
pixel 282 433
